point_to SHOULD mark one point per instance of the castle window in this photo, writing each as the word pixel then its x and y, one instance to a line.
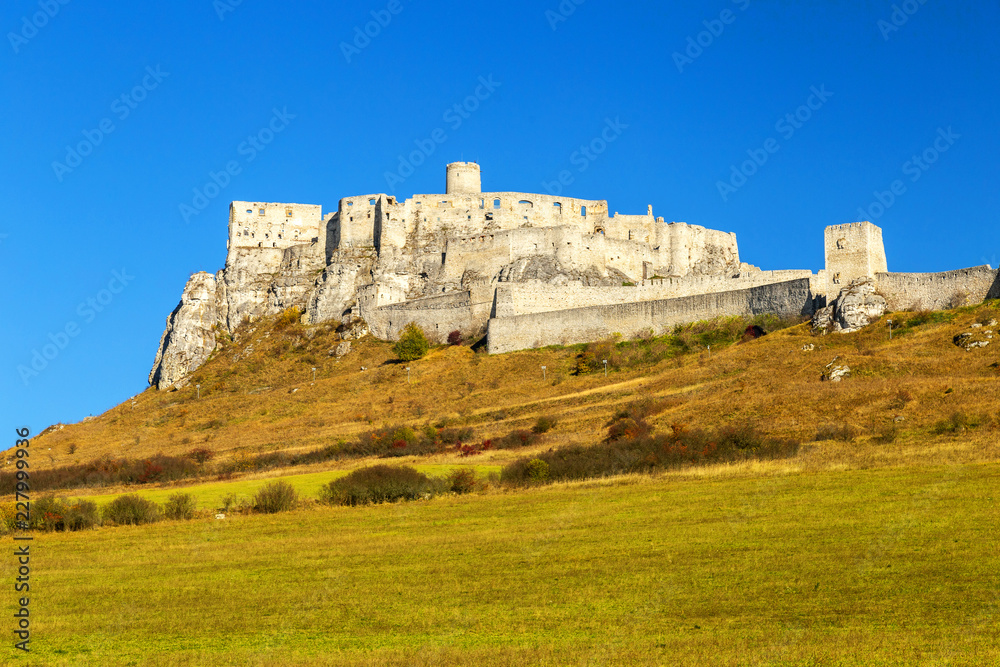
pixel 372 202
pixel 558 207
pixel 260 212
pixel 836 279
pixel 583 211
pixel 288 212
pixel 350 203
pixel 249 211
pixel 482 203
pixel 841 244
pixel 489 217
pixel 525 202
pixel 496 203
pixel 599 230
pixel 274 245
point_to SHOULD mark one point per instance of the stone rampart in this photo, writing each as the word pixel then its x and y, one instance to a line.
pixel 581 325
pixel 526 298
pixel 937 291
pixel 437 316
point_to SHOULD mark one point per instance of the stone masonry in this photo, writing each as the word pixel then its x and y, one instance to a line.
pixel 469 260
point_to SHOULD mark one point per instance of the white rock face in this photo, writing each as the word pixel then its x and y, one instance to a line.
pixel 857 306
pixel 189 337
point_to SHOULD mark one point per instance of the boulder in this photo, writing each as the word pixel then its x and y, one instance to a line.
pixel 857 306
pixel 342 349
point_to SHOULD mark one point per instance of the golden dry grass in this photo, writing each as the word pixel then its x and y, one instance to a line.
pixel 258 395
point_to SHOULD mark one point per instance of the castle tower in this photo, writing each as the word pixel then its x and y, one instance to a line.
pixel 853 251
pixel 464 179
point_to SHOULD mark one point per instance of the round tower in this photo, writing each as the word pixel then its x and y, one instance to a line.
pixel 464 179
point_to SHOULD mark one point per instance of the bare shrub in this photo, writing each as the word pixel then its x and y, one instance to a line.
pixel 275 497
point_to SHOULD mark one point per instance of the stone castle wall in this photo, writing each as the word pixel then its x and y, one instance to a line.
pixel 275 226
pixel 437 316
pixel 581 325
pixel 937 291
pixel 527 298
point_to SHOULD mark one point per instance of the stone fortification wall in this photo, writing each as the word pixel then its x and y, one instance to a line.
pixel 437 316
pixel 526 298
pixel 580 325
pixel 936 291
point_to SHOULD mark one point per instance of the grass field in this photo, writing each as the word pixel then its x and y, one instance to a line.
pixel 209 495
pixel 875 545
pixel 893 566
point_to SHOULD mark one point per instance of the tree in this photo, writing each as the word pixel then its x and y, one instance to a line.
pixel 412 343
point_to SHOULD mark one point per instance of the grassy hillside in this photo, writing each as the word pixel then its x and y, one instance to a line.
pixel 916 397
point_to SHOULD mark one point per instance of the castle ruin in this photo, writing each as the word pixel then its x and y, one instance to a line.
pixel 527 270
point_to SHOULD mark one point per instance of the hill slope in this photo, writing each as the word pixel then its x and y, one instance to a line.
pixel 918 396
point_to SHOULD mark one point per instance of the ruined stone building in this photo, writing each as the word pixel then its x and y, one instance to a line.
pixel 526 270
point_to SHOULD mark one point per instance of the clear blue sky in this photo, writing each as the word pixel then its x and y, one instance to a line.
pixel 890 90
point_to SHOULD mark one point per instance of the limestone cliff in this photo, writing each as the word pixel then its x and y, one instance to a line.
pixel 189 337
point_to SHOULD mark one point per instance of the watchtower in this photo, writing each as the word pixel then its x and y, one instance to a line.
pixel 853 251
pixel 464 178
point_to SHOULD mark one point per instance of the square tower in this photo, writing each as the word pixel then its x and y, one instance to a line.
pixel 853 251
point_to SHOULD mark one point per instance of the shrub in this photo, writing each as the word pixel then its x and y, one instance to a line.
pixel 957 423
pixel 179 506
pixel 276 497
pixel 105 471
pixel 201 455
pixel 377 484
pixel 47 514
pixel 647 451
pixel 543 425
pixel 288 317
pixel 537 470
pixel 455 337
pixel 131 509
pixel 843 432
pixel 462 480
pixel 412 343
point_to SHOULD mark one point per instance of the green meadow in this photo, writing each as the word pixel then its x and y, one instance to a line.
pixel 211 495
pixel 889 566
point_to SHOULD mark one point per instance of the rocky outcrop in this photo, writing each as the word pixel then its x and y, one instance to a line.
pixel 336 290
pixel 189 337
pixel 546 269
pixel 857 306
pixel 979 335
